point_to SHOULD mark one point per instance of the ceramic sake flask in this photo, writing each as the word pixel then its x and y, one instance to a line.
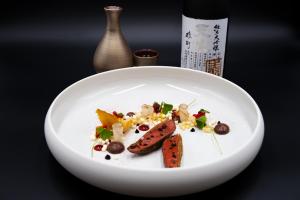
pixel 113 51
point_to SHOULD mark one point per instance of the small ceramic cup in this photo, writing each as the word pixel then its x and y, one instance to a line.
pixel 145 57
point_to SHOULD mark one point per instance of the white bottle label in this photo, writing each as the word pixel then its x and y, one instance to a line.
pixel 203 44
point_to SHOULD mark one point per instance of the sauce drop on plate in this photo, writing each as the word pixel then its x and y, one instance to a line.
pixel 144 127
pixel 115 147
pixel 98 147
pixel 221 128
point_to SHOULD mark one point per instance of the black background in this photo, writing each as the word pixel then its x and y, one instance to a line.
pixel 47 45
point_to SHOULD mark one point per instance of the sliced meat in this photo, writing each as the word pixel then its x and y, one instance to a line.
pixel 172 151
pixel 153 139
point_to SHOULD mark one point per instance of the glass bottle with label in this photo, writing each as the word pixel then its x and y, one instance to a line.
pixel 204 35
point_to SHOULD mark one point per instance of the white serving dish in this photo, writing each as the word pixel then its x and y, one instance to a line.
pixel 71 119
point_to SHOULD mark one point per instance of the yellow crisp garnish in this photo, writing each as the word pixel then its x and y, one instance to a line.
pixel 106 118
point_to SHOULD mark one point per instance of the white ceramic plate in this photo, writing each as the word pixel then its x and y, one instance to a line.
pixel 71 119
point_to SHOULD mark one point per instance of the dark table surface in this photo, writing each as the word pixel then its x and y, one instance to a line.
pixel 47 49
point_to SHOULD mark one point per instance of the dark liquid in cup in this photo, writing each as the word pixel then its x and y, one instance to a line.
pixel 146 53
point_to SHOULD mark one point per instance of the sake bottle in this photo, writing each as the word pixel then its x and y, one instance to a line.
pixel 204 35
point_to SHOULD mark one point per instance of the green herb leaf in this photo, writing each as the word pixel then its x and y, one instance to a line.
pixel 204 111
pixel 165 108
pixel 201 122
pixel 104 133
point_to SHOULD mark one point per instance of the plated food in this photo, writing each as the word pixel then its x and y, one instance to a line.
pixel 172 151
pixel 71 118
pixel 159 122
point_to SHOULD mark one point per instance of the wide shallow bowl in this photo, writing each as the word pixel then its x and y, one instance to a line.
pixel 208 159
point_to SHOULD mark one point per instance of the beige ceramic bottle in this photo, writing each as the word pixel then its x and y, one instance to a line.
pixel 113 51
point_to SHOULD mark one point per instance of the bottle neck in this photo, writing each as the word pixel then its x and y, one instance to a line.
pixel 113 20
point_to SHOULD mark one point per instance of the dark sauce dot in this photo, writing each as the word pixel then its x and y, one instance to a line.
pixel 107 157
pixel 221 128
pixel 192 130
pixel 137 131
pixel 115 147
